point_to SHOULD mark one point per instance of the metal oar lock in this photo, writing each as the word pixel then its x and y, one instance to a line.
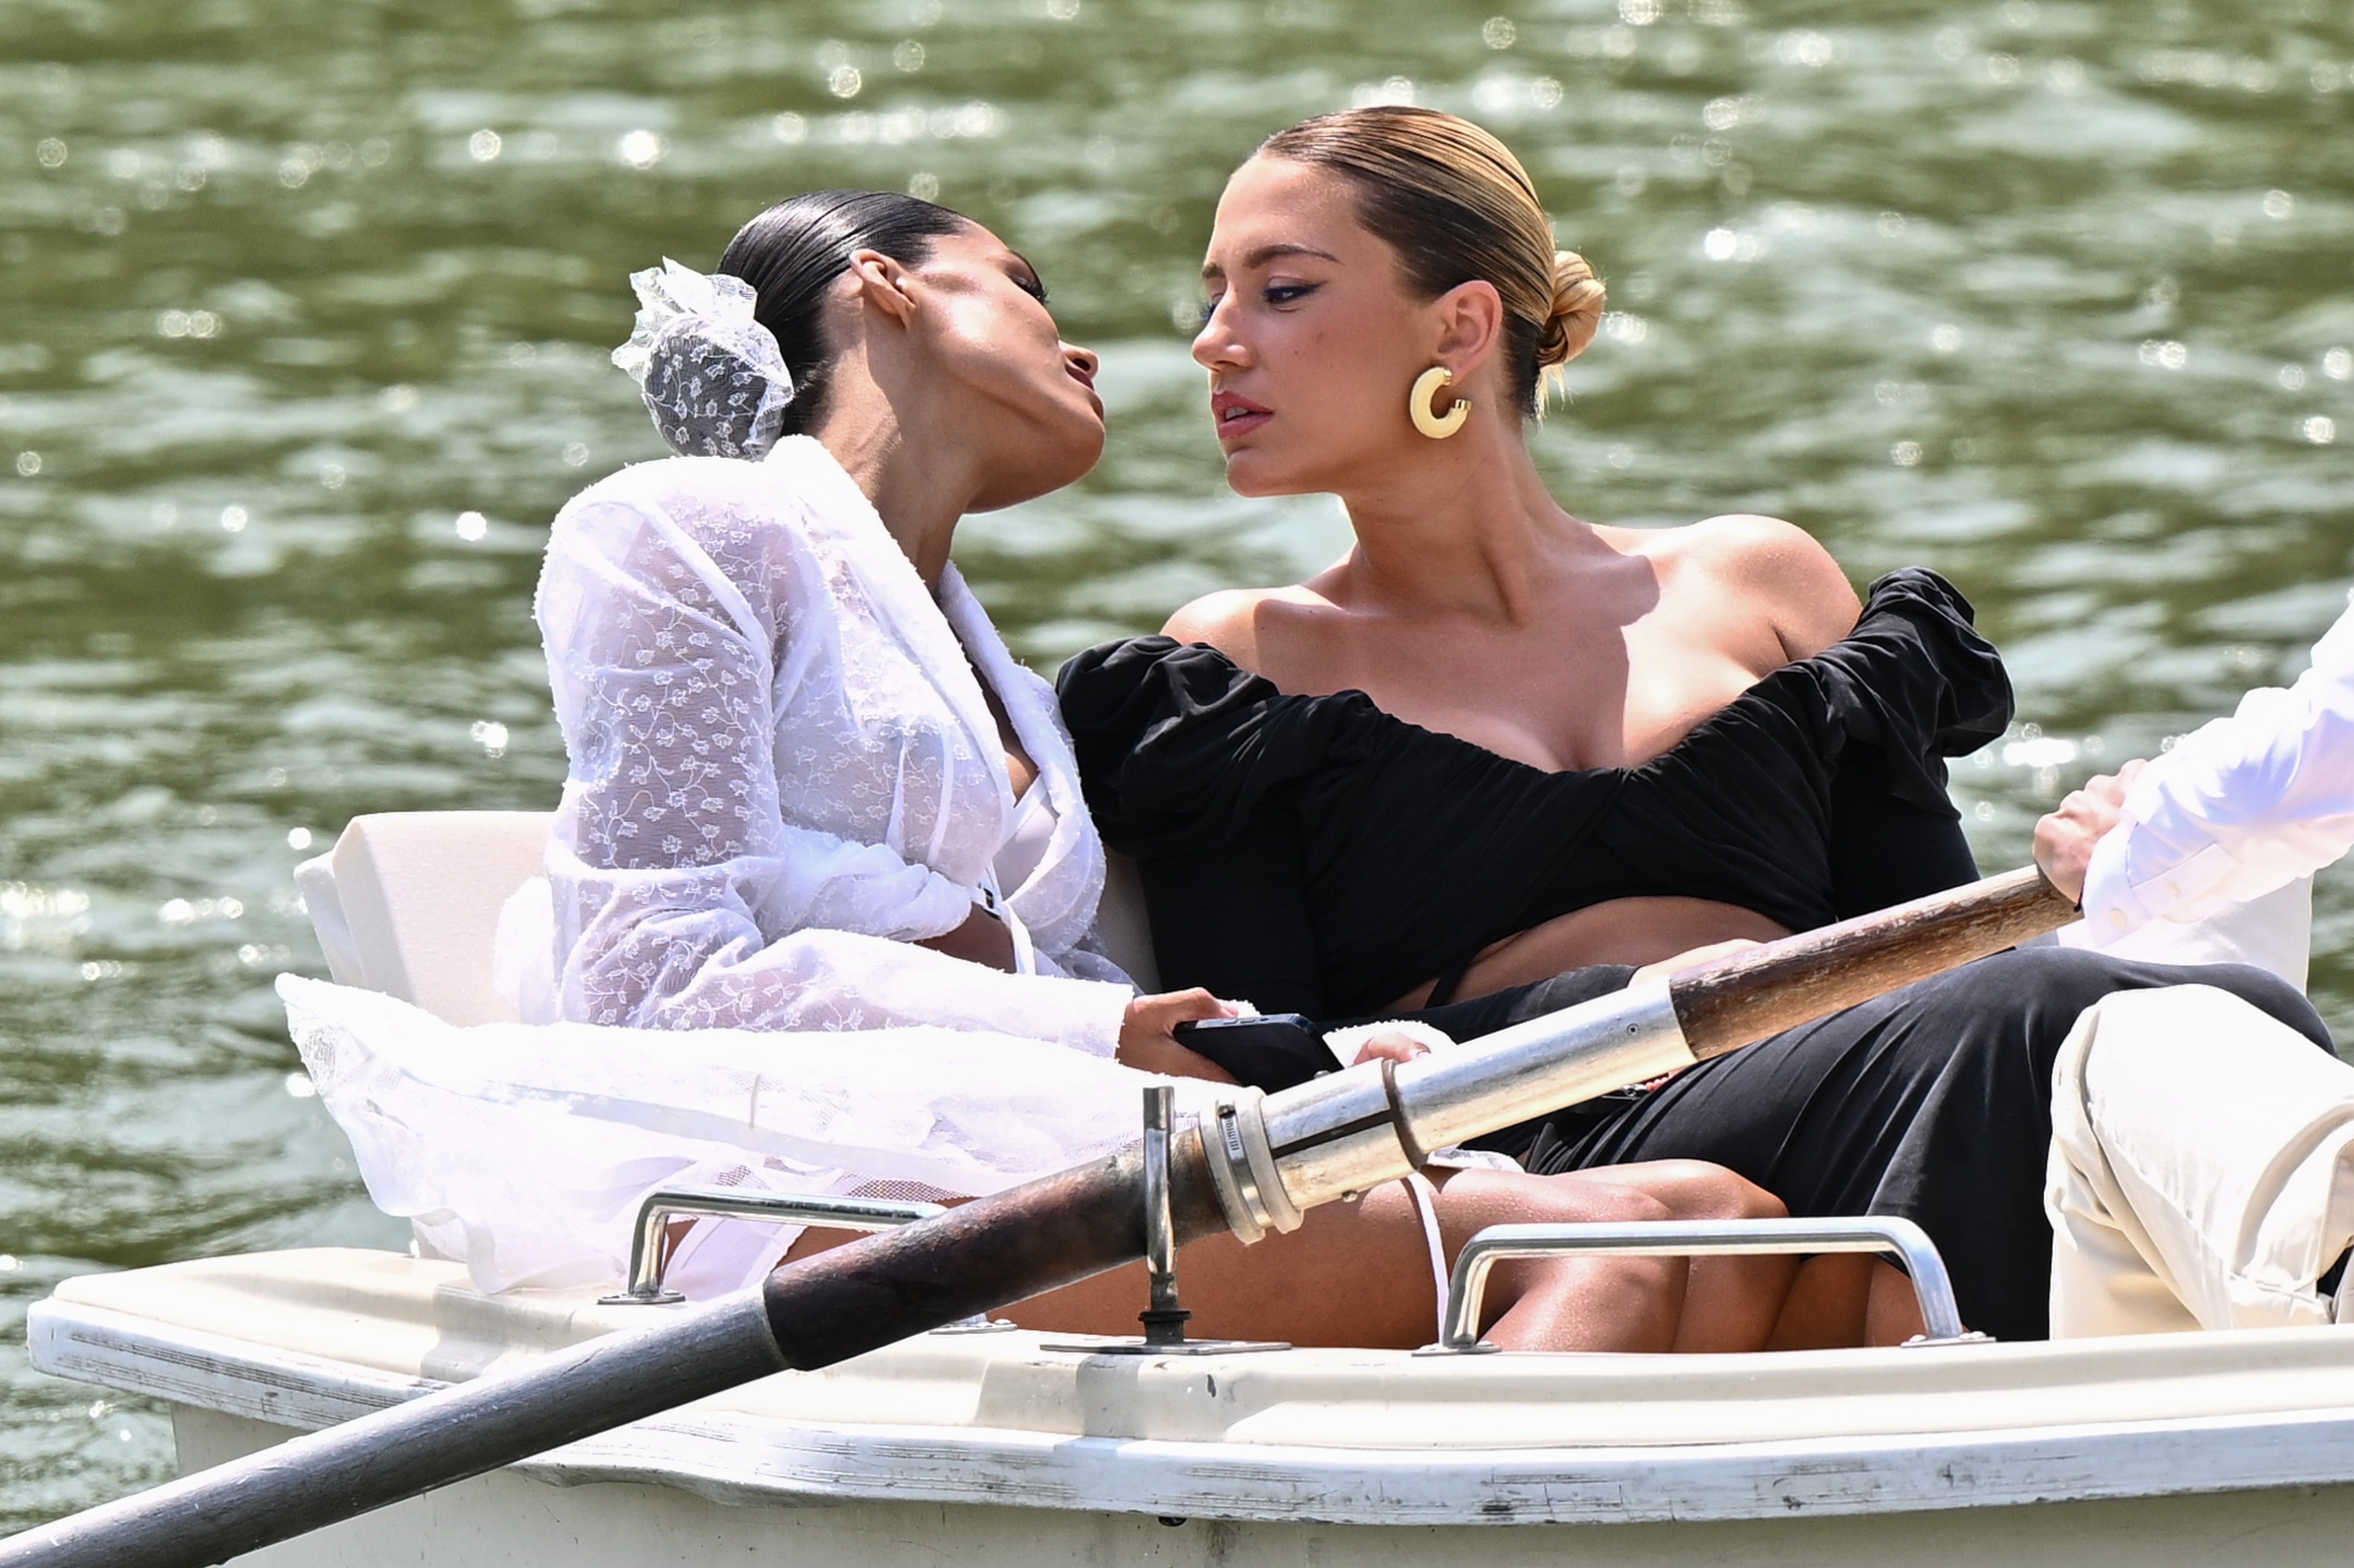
pixel 1258 1164
pixel 1165 1321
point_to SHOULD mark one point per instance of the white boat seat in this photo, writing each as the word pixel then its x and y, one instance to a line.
pixel 408 903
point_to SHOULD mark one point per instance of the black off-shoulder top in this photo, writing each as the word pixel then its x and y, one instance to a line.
pixel 1316 854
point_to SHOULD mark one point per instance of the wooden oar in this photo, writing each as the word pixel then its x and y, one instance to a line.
pixel 1742 999
pixel 1264 1160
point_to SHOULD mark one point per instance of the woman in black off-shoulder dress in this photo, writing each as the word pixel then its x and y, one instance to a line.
pixel 1314 854
pixel 1305 848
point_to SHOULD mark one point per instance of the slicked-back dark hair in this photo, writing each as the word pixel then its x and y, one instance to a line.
pixel 791 253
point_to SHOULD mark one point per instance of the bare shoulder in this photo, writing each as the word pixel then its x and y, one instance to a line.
pixel 1227 620
pixel 1776 567
pixel 1232 618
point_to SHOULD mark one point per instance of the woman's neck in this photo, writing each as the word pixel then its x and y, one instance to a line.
pixel 1470 531
pixel 916 475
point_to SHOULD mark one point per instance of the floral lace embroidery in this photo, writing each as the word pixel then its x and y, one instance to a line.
pixel 771 792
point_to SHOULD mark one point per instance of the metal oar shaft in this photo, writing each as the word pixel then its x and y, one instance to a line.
pixel 324 1477
pixel 1265 1160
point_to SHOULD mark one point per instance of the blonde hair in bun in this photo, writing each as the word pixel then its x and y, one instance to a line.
pixel 1456 206
pixel 1577 311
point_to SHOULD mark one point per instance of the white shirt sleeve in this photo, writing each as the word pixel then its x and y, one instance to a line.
pixel 682 898
pixel 2239 808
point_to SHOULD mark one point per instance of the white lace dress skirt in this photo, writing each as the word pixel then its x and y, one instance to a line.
pixel 525 1150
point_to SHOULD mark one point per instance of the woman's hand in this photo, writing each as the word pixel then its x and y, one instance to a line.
pixel 2064 840
pixel 983 939
pixel 1690 958
pixel 1390 1046
pixel 1146 1044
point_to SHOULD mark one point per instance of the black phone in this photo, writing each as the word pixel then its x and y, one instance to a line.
pixel 1274 1050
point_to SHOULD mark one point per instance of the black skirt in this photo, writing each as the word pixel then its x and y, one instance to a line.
pixel 1933 1102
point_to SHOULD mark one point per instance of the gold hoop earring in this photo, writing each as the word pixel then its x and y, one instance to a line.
pixel 1419 404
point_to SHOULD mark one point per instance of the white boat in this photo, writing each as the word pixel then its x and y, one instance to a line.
pixel 993 1449
pixel 1013 1447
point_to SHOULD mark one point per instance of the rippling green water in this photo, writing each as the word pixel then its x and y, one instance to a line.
pixel 303 337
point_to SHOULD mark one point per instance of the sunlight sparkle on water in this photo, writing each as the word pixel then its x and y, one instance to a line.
pixel 2039 751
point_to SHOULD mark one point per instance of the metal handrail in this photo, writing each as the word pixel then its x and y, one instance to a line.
pixel 1874 1233
pixel 647 1262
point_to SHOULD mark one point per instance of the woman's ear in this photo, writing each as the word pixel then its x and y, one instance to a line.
pixel 1469 318
pixel 883 283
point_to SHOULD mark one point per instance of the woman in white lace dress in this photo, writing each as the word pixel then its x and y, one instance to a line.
pixel 811 791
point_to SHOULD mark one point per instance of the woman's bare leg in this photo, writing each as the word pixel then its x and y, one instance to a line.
pixel 1892 1312
pixel 1594 1303
pixel 1358 1274
pixel 1825 1308
pixel 1731 1302
pixel 1345 1277
pixel 1847 1298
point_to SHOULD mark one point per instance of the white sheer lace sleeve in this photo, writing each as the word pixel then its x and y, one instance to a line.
pixel 743 843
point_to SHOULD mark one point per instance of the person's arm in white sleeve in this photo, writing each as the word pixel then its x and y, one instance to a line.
pixel 671 866
pixel 2241 807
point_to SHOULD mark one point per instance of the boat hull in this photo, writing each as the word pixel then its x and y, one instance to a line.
pixel 981 1448
pixel 511 1520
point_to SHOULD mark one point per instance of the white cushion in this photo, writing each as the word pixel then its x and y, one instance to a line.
pixel 408 903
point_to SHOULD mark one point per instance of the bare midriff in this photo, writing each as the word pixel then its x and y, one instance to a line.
pixel 1621 931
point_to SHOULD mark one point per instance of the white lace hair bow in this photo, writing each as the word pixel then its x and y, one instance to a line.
pixel 711 376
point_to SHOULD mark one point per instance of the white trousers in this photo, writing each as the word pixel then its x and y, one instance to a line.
pixel 2202 1167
